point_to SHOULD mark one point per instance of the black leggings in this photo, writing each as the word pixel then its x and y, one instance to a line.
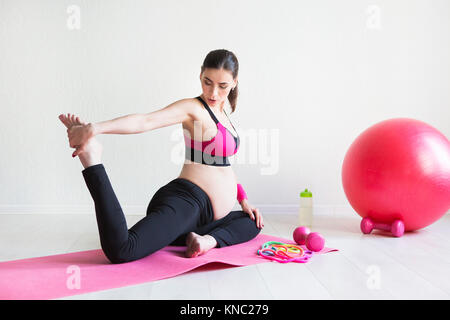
pixel 176 209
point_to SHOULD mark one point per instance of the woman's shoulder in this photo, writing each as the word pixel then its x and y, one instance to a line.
pixel 193 106
pixel 196 106
pixel 190 104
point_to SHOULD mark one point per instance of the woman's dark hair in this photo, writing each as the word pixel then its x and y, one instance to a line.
pixel 224 59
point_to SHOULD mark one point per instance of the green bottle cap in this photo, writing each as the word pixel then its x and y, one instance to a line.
pixel 306 194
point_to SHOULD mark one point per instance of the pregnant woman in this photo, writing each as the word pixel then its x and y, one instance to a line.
pixel 195 208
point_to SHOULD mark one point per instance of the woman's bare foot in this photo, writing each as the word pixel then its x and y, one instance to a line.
pixel 198 245
pixel 92 150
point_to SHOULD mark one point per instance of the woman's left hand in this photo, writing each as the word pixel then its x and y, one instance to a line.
pixel 253 213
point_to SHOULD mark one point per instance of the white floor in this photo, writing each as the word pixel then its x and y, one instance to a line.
pixel 374 266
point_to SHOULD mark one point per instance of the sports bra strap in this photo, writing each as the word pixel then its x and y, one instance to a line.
pixel 230 122
pixel 208 109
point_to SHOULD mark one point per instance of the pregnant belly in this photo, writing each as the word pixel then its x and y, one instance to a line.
pixel 218 182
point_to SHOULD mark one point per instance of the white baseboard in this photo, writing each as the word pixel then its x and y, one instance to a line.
pixel 318 209
pixel 339 210
pixel 63 209
pixel 141 209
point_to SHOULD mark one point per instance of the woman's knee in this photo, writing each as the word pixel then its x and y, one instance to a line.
pixel 251 228
pixel 122 253
pixel 118 255
pixel 255 229
pixel 248 227
pixel 117 259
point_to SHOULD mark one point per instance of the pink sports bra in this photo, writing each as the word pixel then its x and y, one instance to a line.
pixel 214 152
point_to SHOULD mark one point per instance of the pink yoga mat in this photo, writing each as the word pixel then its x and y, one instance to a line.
pixel 75 273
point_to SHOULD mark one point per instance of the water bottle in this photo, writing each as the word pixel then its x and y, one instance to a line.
pixel 305 213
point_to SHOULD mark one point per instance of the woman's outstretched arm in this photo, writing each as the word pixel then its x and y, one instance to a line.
pixel 176 112
pixel 128 124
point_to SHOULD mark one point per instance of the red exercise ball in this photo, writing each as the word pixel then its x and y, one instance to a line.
pixel 399 169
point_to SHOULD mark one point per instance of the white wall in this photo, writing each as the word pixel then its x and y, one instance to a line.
pixel 313 75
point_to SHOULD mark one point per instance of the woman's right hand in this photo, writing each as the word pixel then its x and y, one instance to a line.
pixel 80 134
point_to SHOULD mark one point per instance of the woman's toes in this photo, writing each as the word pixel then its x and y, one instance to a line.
pixel 64 120
pixel 76 120
pixel 193 249
pixel 189 238
pixel 79 121
pixel 192 245
pixel 70 120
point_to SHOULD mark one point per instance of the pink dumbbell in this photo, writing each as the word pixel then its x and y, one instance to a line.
pixel 313 240
pixel 397 228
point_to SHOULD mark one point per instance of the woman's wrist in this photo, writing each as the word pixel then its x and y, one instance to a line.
pixel 243 201
pixel 94 129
